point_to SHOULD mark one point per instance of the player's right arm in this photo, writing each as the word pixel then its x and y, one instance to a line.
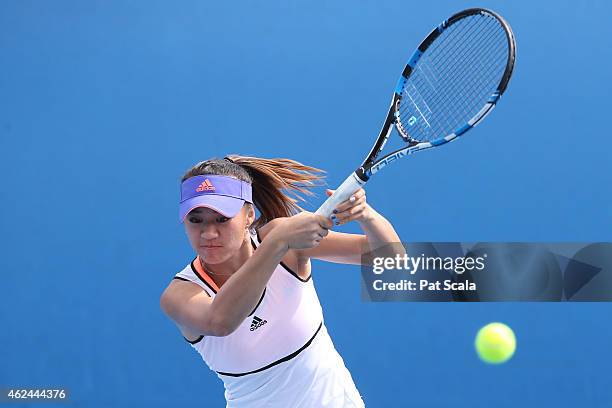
pixel 195 312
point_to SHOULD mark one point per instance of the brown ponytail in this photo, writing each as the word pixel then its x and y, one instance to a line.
pixel 278 184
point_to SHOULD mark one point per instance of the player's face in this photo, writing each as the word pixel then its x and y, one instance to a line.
pixel 215 237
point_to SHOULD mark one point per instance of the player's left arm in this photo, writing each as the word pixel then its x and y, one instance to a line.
pixel 345 248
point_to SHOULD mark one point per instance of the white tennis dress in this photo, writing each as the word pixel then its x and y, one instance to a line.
pixel 281 355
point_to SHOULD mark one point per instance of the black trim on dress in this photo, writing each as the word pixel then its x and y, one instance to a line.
pixel 288 269
pixel 282 360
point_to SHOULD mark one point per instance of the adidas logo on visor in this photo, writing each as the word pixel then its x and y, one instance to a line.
pixel 205 186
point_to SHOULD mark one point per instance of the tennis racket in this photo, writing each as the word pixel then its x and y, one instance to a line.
pixel 452 81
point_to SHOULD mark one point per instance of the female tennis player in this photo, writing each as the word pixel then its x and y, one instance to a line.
pixel 247 302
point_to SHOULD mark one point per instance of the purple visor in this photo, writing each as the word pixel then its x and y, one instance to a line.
pixel 223 194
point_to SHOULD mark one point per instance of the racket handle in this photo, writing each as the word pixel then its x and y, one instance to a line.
pixel 346 189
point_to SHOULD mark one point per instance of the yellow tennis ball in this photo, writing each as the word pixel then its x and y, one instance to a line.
pixel 495 343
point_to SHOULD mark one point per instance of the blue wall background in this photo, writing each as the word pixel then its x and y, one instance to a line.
pixel 103 106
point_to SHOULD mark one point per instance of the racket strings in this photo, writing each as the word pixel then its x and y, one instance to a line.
pixel 463 34
pixel 424 125
pixel 455 37
pixel 487 52
pixel 455 88
pixel 479 81
pixel 462 90
pixel 454 78
pixel 429 61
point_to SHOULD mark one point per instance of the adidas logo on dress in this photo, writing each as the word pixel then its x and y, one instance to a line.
pixel 257 323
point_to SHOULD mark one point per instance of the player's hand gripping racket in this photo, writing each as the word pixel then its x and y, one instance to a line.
pixel 450 83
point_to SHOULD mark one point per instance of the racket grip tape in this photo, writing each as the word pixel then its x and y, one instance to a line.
pixel 342 193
